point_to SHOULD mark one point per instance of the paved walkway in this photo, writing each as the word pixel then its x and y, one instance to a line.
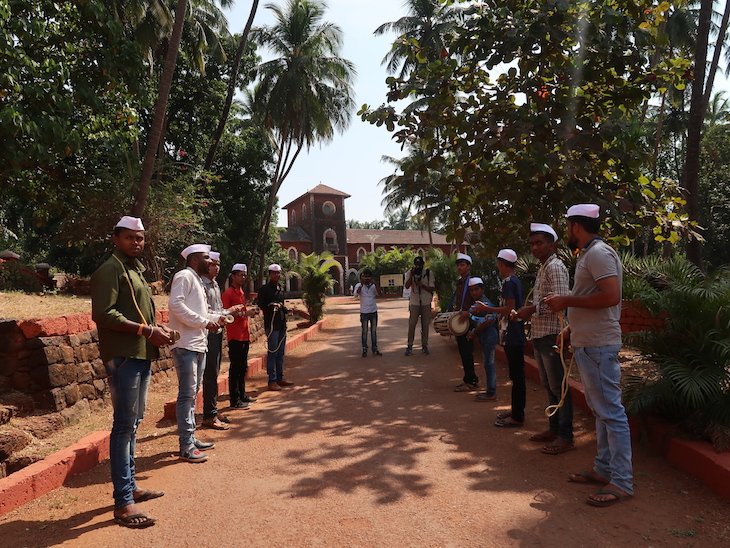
pixel 374 452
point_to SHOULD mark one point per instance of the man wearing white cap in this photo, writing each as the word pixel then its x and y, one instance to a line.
pixel 594 311
pixel 124 312
pixel 552 279
pixel 271 302
pixel 211 417
pixel 238 336
pixel 190 316
pixel 462 301
pixel 511 298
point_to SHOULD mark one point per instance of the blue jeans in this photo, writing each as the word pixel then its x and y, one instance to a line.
pixel 372 319
pixel 275 356
pixel 488 341
pixel 601 375
pixel 129 379
pixel 189 366
pixel 551 375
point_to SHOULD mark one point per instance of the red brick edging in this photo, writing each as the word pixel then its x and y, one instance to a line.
pixel 696 458
pixel 48 474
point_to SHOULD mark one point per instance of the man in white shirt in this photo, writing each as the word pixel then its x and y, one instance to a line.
pixel 189 315
pixel 422 284
pixel 367 291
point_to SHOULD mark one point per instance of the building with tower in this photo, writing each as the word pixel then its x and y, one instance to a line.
pixel 317 223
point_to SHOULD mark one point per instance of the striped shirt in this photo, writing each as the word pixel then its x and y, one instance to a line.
pixel 552 277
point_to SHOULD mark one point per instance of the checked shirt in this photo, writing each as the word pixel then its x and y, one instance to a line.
pixel 552 277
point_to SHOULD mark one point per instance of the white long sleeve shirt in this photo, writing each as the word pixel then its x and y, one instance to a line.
pixel 189 311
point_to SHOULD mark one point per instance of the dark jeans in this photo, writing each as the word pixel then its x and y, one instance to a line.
pixel 372 319
pixel 551 376
pixel 129 379
pixel 210 375
pixel 466 351
pixel 238 354
pixel 275 355
pixel 516 362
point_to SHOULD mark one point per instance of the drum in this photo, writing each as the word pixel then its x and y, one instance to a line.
pixel 458 324
pixel 441 323
pixel 451 323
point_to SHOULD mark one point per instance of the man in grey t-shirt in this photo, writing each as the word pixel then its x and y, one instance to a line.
pixel 594 310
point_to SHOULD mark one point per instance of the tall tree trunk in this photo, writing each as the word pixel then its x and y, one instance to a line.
pixel 716 57
pixel 231 87
pixel 158 119
pixel 690 173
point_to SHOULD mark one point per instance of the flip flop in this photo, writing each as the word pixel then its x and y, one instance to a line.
pixel 617 495
pixel 135 521
pixel 558 446
pixel 146 494
pixel 508 423
pixel 504 415
pixel 587 477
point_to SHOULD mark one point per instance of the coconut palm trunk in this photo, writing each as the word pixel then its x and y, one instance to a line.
pixel 716 55
pixel 231 86
pixel 158 119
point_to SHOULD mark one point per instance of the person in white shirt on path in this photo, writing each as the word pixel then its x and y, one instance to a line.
pixel 189 315
pixel 422 284
pixel 367 291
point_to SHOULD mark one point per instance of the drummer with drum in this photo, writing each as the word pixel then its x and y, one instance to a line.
pixel 462 302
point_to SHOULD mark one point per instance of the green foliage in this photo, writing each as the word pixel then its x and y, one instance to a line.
pixel 316 281
pixel 444 270
pixel 392 261
pixel 691 353
pixel 15 276
pixel 531 106
pixel 714 184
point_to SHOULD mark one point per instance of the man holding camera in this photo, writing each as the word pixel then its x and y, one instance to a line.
pixel 271 302
pixel 422 285
pixel 368 292
pixel 122 307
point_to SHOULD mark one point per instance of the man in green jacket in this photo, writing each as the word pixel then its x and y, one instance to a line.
pixel 124 313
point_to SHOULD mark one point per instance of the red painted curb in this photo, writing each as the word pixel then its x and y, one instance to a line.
pixel 696 458
pixel 50 473
pixel 255 365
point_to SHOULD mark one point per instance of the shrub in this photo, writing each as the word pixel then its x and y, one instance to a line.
pixel 316 280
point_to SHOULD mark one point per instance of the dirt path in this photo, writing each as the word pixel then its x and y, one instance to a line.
pixel 375 452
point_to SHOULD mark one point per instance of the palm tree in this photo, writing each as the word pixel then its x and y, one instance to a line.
pixel 304 94
pixel 158 118
pixel 233 77
pixel 427 22
pixel 316 280
pixel 718 110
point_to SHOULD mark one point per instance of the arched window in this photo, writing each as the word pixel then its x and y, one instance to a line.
pixel 293 219
pixel 330 237
pixel 421 253
pixel 304 211
pixel 361 253
pixel 293 254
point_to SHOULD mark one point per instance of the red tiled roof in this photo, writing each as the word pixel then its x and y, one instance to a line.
pixel 393 237
pixel 320 189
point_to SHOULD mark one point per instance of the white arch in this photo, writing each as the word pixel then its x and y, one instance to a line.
pixel 421 253
pixel 288 278
pixel 296 253
pixel 342 276
pixel 361 252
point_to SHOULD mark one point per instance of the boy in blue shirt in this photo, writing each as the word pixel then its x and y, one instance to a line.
pixel 485 328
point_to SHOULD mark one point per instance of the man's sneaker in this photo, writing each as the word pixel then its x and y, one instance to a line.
pixel 284 383
pixel 248 399
pixel 409 351
pixel 203 445
pixel 240 405
pixel 193 455
pixel 364 353
pixel 425 350
pixel 376 353
pixel 274 387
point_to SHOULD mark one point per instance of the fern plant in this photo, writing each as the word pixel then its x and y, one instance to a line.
pixel 316 280
pixel 692 352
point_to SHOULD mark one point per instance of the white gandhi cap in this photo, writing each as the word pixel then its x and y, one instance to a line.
pixel 539 227
pixel 131 223
pixel 475 281
pixel 195 248
pixel 507 255
pixel 215 256
pixel 591 211
pixel 463 257
pixel 274 268
pixel 239 267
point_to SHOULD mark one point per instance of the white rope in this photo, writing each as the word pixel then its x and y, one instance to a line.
pixel 550 410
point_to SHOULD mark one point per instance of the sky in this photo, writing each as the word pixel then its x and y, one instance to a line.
pixel 351 162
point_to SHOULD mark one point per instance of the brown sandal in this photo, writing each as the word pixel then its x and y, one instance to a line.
pixel 587 477
pixel 558 446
